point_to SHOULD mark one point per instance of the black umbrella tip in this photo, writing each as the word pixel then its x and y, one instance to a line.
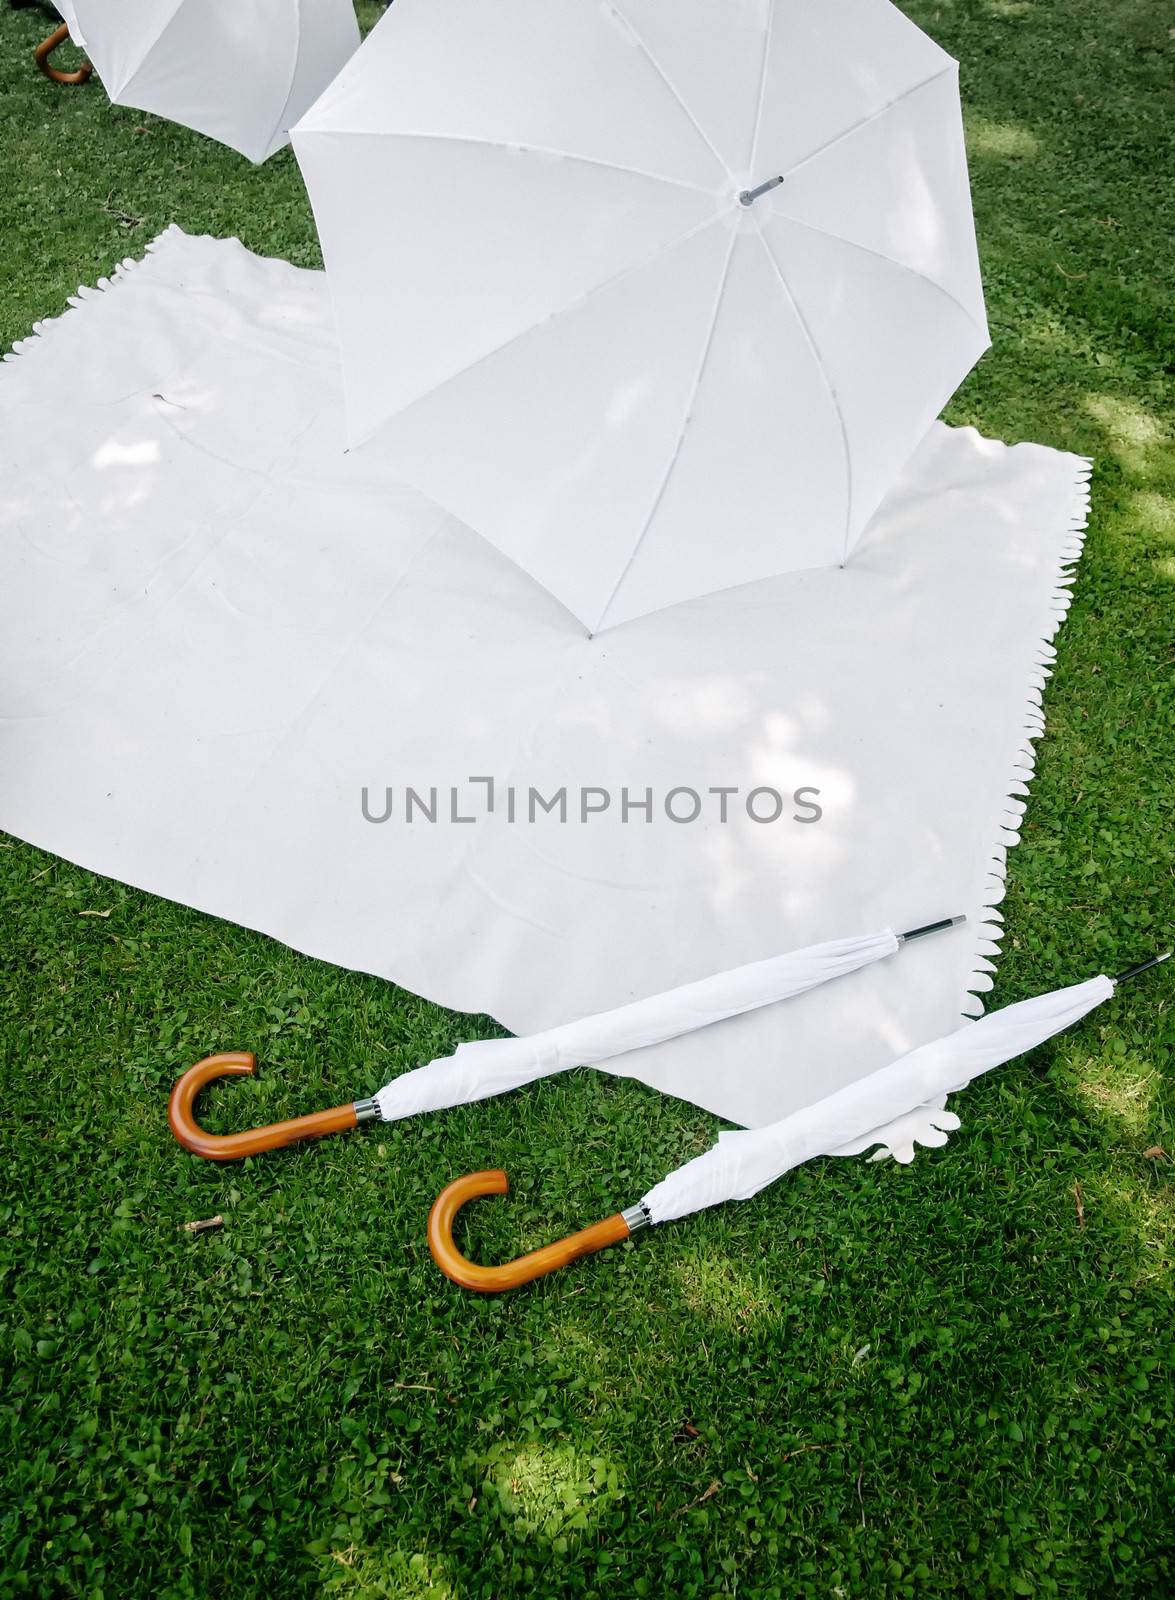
pixel 930 927
pixel 1143 966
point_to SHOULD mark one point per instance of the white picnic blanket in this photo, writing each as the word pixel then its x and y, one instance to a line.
pixel 217 629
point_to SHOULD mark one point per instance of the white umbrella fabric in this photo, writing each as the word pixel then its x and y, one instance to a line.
pixel 240 71
pixel 65 9
pixel 656 297
pixel 743 1162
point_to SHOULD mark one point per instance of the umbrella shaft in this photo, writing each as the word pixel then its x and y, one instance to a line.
pixel 749 196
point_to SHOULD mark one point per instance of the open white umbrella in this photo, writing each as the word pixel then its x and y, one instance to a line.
pixel 743 1162
pixel 240 71
pixel 658 297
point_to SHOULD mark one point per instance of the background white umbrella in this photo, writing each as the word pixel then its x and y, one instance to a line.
pixel 240 71
pixel 68 30
pixel 657 297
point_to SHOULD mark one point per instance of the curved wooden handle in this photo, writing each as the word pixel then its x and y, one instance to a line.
pixel 232 1146
pixel 46 48
pixel 492 1280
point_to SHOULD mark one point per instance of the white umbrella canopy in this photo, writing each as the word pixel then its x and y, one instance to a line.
pixel 238 72
pixel 564 317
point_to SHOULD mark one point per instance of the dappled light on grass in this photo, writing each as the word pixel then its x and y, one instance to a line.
pixel 723 1293
pixel 1153 514
pixel 998 139
pixel 1121 1090
pixel 351 1573
pixel 1138 439
pixel 550 1492
pixel 1142 1209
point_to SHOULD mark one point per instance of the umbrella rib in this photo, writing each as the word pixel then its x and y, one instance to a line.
pixel 504 144
pixel 660 71
pixel 872 117
pixel 768 34
pixel 685 420
pixel 902 266
pixel 832 394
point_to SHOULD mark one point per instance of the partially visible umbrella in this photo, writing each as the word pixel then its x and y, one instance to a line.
pixel 240 71
pixel 742 1163
pixel 488 1067
pixel 68 29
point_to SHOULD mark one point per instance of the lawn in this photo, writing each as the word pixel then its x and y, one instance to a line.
pixel 952 1379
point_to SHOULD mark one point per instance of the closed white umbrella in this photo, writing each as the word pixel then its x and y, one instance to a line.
pixel 240 71
pixel 742 1163
pixel 488 1067
pixel 656 297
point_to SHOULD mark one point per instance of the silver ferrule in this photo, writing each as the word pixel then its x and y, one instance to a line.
pixel 366 1111
pixel 637 1216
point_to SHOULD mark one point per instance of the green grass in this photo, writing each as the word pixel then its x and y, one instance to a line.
pixel 298 1404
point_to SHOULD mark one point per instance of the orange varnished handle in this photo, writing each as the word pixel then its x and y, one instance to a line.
pixel 232 1146
pixel 492 1280
pixel 46 48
